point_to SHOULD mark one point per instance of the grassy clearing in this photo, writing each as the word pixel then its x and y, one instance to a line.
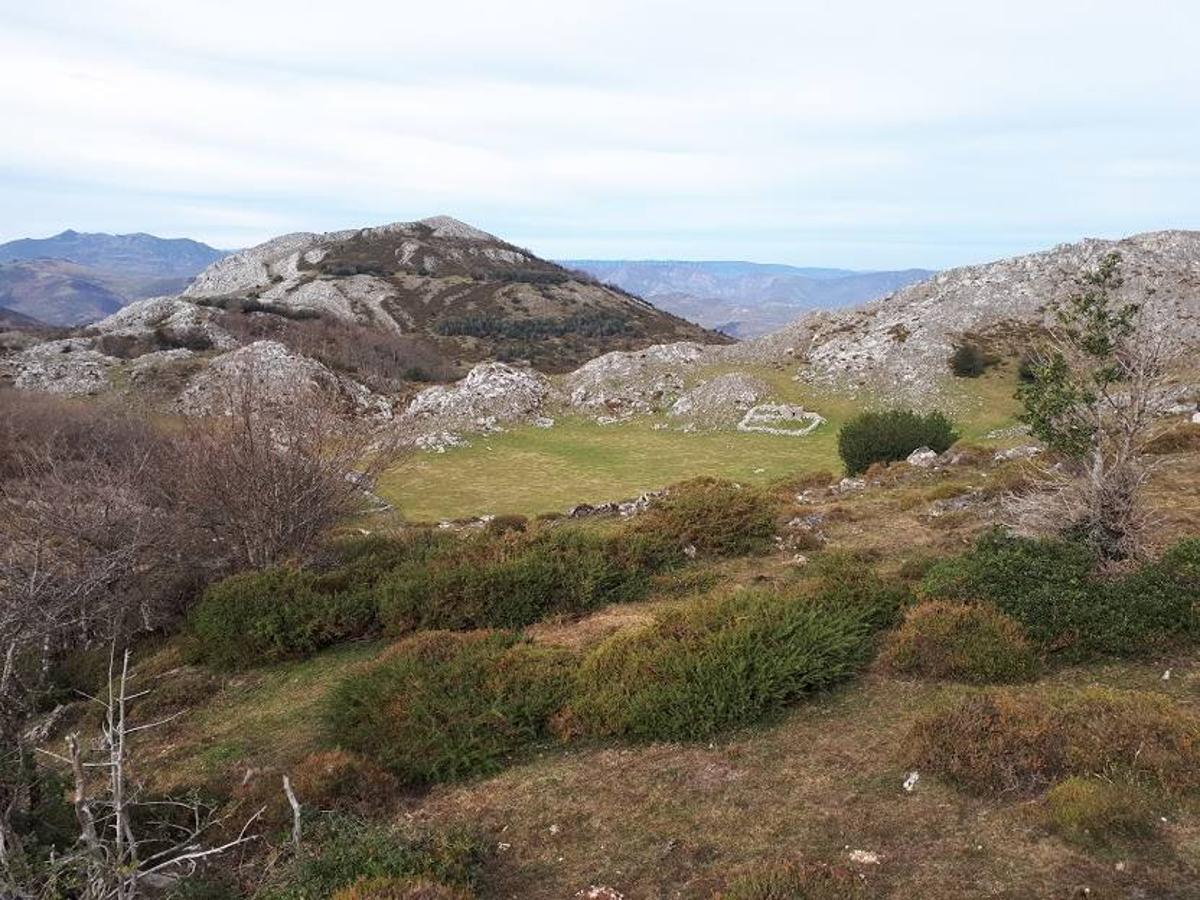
pixel 270 717
pixel 671 820
pixel 533 470
pixel 795 796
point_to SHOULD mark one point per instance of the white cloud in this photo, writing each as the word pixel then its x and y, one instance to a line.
pixel 865 134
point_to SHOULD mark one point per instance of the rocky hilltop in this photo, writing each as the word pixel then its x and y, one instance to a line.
pixel 346 310
pixel 468 295
pixel 374 311
pixel 904 341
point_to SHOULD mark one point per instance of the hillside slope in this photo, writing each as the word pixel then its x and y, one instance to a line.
pixel 470 295
pixel 75 278
pixel 10 319
pixel 57 291
pixel 904 340
pixel 741 298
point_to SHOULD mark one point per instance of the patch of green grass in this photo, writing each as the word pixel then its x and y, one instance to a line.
pixel 534 470
pixel 272 716
pixel 1093 811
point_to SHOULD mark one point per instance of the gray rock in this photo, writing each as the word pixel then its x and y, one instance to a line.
pixel 922 458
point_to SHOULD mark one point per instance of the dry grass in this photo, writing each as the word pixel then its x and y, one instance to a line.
pixel 684 821
pixel 687 821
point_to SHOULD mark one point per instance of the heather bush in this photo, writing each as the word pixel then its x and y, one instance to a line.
pixel 961 642
pixel 1051 588
pixel 970 361
pixel 443 705
pixel 275 614
pixel 515 580
pixel 714 517
pixel 1020 741
pixel 715 663
pixel 891 435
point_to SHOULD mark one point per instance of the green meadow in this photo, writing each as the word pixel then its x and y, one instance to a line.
pixel 531 470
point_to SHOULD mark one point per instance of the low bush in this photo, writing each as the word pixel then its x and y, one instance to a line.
pixel 891 435
pixel 716 663
pixel 798 881
pixel 342 850
pixel 516 580
pixel 1051 588
pixel 1096 810
pixel 369 559
pixel 715 517
pixel 274 614
pixel 970 361
pixel 442 705
pixel 1020 741
pixel 961 642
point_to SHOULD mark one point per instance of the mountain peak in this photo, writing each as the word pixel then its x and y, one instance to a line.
pixel 448 226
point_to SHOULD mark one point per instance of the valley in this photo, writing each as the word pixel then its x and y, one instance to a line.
pixel 537 607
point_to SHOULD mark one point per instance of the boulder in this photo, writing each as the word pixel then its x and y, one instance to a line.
pixel 720 401
pixel 68 366
pixel 622 384
pixel 492 395
pixel 278 376
pixel 922 458
pixel 1026 451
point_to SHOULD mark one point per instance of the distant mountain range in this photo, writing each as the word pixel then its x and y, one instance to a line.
pixel 74 278
pixel 744 299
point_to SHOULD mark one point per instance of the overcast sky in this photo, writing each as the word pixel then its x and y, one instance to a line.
pixel 865 134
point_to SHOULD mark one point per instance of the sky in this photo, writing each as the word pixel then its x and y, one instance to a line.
pixel 859 134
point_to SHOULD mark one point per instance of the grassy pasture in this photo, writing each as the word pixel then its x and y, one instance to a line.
pixel 532 470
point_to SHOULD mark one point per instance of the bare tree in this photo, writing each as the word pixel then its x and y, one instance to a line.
pixel 109 526
pixel 264 479
pixel 112 859
pixel 1096 390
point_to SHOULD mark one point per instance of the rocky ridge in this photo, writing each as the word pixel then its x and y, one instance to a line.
pixel 906 339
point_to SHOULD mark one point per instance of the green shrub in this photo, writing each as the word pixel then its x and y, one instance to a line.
pixel 274 614
pixel 798 881
pixel 366 560
pixel 1018 741
pixel 1096 810
pixel 341 850
pixel 891 435
pixel 443 705
pixel 961 642
pixel 516 580
pixel 712 664
pixel 970 361
pixel 848 579
pixel 1050 587
pixel 715 517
